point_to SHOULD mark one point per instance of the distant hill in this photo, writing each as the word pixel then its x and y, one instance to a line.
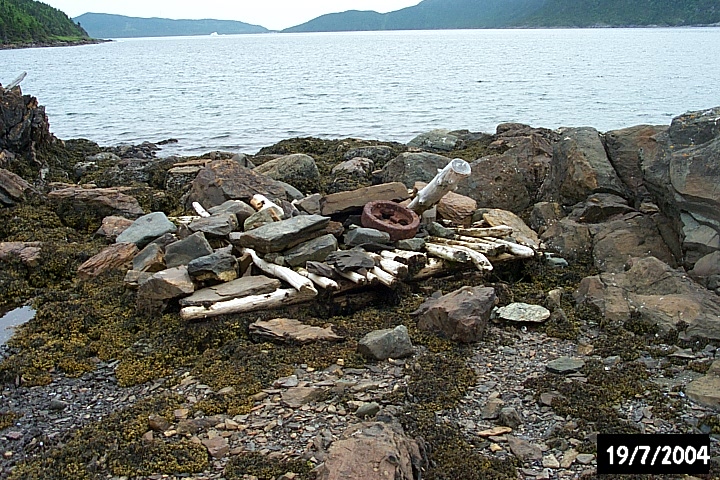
pixel 28 21
pixel 103 25
pixel 454 14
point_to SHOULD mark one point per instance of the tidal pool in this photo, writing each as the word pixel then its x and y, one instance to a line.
pixel 12 319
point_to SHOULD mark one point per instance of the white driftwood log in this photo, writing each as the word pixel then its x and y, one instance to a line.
pixel 320 281
pixel 433 268
pixel 411 259
pixel 444 182
pixel 516 249
pixel 384 277
pixel 482 247
pixel 354 277
pixel 299 282
pixel 278 298
pixel 200 210
pixel 497 232
pixel 459 254
pixel 17 81
pixel 391 266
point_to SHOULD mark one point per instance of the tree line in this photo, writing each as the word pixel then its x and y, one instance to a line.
pixel 28 21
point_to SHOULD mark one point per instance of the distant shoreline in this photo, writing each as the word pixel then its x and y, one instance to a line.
pixel 52 43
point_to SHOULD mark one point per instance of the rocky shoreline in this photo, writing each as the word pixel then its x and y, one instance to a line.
pixel 53 43
pixel 610 325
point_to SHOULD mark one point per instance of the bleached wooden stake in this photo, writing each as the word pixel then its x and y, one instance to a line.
pixel 445 181
pixel 200 210
pixel 320 281
pixel 17 81
pixel 278 298
pixel 299 282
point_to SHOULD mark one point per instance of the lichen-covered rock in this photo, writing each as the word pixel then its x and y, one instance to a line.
pixel 435 140
pixel 24 126
pixel 218 267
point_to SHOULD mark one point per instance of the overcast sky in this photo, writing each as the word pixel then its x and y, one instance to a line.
pixel 272 14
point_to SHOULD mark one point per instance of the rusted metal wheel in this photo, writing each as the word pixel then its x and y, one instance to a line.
pixel 400 222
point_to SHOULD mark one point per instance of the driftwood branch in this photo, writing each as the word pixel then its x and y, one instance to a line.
pixel 459 254
pixel 200 210
pixel 444 182
pixel 320 281
pixel 278 298
pixel 17 81
pixel 299 282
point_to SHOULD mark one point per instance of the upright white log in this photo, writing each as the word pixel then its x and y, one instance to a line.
pixel 445 181
pixel 299 282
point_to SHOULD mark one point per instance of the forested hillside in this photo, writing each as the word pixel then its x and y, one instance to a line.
pixel 28 21
pixel 104 25
pixel 450 14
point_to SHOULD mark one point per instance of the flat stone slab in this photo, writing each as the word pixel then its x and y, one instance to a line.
pixel 146 229
pixel 299 396
pixel 218 266
pixel 521 232
pixel 242 287
pixel 217 225
pixel 315 250
pixel 706 390
pixel 279 236
pixel 356 199
pixel 287 330
pixel 564 365
pixel 361 236
pixel 523 312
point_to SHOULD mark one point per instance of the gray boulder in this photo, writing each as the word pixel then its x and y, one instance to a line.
pixel 216 225
pixel 438 139
pixel 496 182
pixel 240 209
pixel 315 250
pixel 146 229
pixel 299 170
pixel 362 236
pixel 186 250
pixel 279 236
pixel 217 267
pixel 409 168
pixel 384 344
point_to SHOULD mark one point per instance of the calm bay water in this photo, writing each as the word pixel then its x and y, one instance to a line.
pixel 243 92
